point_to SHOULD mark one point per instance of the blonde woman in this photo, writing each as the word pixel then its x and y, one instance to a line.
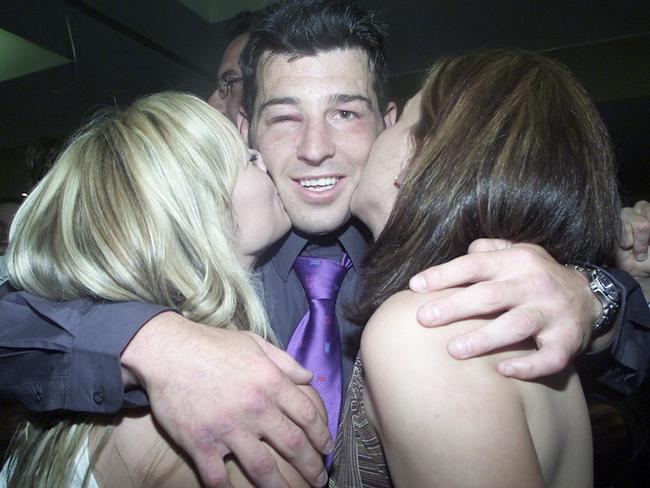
pixel 160 203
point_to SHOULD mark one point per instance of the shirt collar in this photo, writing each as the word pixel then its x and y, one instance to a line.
pixel 354 239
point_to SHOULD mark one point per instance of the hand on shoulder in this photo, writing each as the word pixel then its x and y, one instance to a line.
pixel 531 295
pixel 217 391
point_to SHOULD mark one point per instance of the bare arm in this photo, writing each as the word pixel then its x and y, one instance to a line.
pixel 442 422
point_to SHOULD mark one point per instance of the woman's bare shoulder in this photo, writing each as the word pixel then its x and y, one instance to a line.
pixel 397 315
pixel 395 324
pixel 394 332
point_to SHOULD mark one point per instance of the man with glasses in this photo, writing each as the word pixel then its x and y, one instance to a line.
pixel 227 98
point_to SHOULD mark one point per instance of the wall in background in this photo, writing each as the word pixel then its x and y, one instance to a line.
pixel 124 49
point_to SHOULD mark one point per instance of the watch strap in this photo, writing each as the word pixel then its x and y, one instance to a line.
pixel 607 293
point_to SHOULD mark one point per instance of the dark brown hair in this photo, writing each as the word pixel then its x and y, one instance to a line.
pixel 508 146
pixel 298 28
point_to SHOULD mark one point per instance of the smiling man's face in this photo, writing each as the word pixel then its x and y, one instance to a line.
pixel 315 119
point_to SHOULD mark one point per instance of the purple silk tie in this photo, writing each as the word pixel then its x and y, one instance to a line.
pixel 316 343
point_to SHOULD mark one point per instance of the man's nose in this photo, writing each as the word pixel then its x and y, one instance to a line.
pixel 316 144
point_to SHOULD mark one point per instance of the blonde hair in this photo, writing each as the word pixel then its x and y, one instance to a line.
pixel 136 208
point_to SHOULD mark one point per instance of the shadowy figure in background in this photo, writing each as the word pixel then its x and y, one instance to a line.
pixel 40 156
pixel 8 208
pixel 227 98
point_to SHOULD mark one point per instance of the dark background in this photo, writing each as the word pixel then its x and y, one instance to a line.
pixel 124 49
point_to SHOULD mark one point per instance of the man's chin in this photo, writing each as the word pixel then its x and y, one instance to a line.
pixel 318 226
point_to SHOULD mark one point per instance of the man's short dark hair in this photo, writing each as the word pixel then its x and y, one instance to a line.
pixel 240 24
pixel 297 28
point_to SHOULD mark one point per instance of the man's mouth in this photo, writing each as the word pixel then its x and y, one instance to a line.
pixel 319 184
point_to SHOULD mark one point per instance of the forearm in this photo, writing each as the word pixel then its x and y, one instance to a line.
pixel 621 363
pixel 66 355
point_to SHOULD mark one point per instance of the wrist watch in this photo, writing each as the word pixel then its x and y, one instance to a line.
pixel 606 292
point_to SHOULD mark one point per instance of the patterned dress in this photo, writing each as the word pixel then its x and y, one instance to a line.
pixel 359 459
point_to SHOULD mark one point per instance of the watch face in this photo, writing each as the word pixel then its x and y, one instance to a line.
pixel 608 286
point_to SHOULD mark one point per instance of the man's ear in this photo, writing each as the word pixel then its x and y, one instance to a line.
pixel 243 125
pixel 390 115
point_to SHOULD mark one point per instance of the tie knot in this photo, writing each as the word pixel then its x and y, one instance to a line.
pixel 321 278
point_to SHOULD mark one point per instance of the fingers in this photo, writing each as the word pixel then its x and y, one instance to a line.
pixel 627 235
pixel 636 229
pixel 479 299
pixel 301 410
pixel 295 447
pixel 276 421
pixel 257 461
pixel 641 227
pixel 482 266
pixel 293 427
pixel 212 471
pixel 535 296
pixel 642 207
pixel 301 435
pixel 485 245
pixel 546 361
pixel 465 269
pixel 513 327
pixel 510 328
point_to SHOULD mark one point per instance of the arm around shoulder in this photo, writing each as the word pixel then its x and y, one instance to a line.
pixel 65 355
pixel 623 365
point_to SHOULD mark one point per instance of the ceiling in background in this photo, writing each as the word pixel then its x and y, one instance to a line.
pixel 20 57
pixel 113 51
pixel 218 10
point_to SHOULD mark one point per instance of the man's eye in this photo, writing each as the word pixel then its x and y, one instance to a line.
pixel 282 118
pixel 345 114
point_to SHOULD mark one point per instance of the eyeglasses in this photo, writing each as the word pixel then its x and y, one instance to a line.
pixel 225 85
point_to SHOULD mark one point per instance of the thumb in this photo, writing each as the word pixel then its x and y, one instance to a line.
pixel 289 366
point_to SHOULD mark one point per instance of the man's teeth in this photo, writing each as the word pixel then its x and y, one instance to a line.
pixel 319 184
